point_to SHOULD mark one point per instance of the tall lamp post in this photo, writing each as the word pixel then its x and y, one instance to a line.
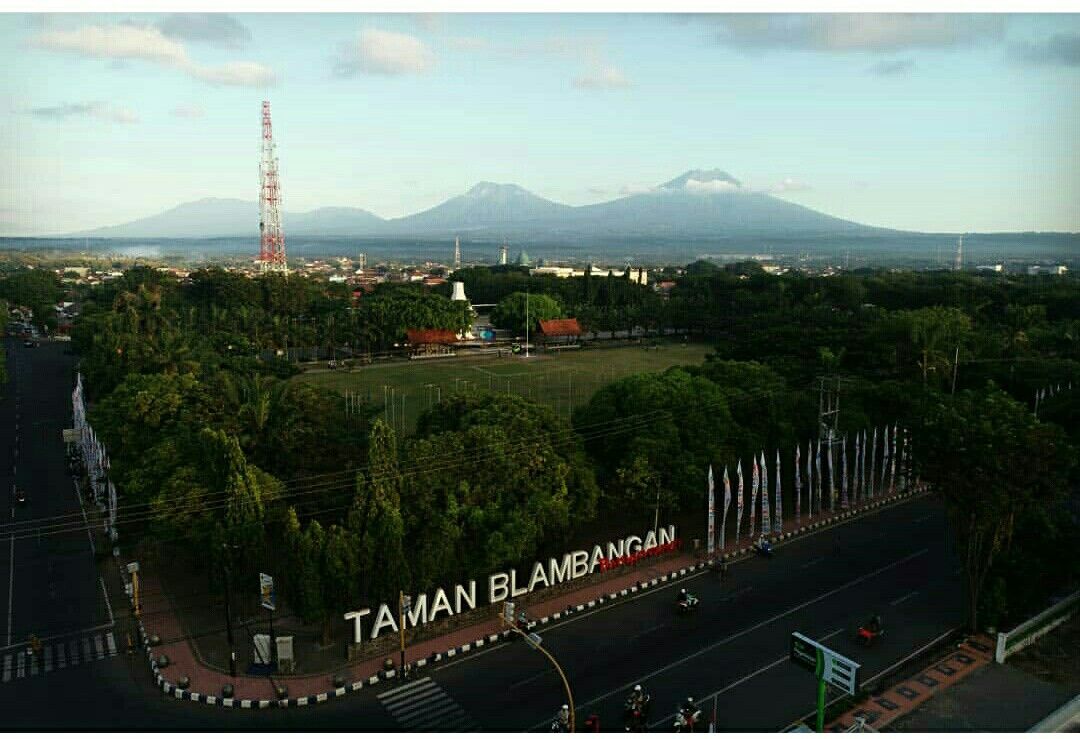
pixel 533 640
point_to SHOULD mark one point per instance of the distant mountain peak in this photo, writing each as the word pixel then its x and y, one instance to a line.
pixel 497 190
pixel 704 180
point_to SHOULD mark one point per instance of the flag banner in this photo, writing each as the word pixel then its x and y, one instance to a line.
pixel 766 518
pixel 832 478
pixel 778 523
pixel 727 502
pixel 892 463
pixel 817 477
pixel 873 462
pixel 755 479
pixel 843 474
pixel 798 488
pixel 739 503
pixel 862 467
pixel 884 461
pixel 904 462
pixel 810 478
pixel 712 517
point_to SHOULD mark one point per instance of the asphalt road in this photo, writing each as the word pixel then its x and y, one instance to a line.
pixel 897 562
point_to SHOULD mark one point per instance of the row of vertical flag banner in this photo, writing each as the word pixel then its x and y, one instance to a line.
pixel 95 459
pixel 1048 392
pixel 824 488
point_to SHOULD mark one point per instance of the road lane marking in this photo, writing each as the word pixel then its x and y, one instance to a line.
pixel 108 605
pixel 900 600
pixel 811 563
pixel 85 521
pixel 920 519
pixel 741 680
pixel 744 632
pixel 528 680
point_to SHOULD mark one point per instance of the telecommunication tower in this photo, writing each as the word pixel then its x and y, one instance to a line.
pixel 457 252
pixel 959 255
pixel 503 253
pixel 271 237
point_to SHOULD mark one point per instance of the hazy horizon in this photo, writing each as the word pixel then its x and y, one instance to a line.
pixel 944 123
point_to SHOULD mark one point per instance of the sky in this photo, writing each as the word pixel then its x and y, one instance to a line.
pixel 946 122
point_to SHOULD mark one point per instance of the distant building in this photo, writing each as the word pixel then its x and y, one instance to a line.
pixel 560 331
pixel 990 268
pixel 1057 269
pixel 430 342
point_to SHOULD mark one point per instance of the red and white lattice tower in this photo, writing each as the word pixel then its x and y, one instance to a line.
pixel 271 237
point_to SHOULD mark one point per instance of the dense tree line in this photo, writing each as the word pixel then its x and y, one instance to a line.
pixel 194 404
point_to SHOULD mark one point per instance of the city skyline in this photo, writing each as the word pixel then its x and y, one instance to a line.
pixel 914 122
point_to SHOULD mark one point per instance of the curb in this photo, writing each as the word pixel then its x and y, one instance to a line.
pixel 438 657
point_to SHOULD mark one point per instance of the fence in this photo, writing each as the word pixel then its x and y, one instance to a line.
pixel 1009 642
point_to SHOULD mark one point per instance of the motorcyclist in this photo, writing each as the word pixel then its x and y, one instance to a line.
pixel 764 546
pixel 683 597
pixel 640 699
pixel 562 720
pixel 689 712
pixel 875 624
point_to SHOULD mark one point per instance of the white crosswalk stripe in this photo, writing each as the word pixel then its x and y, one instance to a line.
pixel 424 706
pixel 57 655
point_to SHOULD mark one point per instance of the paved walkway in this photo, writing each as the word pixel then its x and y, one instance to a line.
pixel 184 662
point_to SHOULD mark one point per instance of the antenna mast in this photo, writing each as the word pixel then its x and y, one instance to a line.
pixel 271 236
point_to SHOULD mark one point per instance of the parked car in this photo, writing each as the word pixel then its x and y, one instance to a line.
pixel 29 343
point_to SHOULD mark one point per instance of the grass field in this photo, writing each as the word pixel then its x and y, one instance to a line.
pixel 406 388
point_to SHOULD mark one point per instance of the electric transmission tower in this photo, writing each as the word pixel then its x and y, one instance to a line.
pixel 829 410
pixel 271 237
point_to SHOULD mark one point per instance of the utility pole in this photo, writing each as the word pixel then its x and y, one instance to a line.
pixel 526 323
pixel 228 613
pixel 404 602
pixel 656 518
pixel 955 366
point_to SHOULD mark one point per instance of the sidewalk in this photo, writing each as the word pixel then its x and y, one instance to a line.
pixel 205 684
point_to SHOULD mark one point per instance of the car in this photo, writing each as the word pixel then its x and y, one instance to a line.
pixel 29 344
pixel 20 497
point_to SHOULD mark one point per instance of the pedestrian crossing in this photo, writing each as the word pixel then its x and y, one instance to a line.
pixel 57 655
pixel 422 705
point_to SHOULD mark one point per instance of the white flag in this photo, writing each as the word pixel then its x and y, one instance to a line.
pixel 778 524
pixel 873 462
pixel 817 475
pixel 832 488
pixel 739 503
pixel 727 502
pixel 712 517
pixel 766 518
pixel 843 474
pixel 798 488
pixel 755 480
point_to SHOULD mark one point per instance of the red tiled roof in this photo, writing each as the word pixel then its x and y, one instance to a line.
pixel 560 327
pixel 431 336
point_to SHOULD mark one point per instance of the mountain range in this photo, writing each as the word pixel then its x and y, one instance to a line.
pixel 699 203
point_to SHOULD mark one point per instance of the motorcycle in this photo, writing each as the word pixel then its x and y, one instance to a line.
pixel 764 548
pixel 635 714
pixel 686 720
pixel 868 634
pixel 688 604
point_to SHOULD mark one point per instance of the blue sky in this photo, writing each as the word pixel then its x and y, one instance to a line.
pixel 936 123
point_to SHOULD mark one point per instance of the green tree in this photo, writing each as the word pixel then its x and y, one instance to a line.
pixel 991 460
pixel 514 311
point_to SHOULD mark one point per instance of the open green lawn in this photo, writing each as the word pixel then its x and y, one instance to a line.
pixel 564 380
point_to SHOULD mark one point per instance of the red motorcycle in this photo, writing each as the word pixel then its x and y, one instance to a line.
pixel 870 633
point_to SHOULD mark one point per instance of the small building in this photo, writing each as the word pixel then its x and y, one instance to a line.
pixel 430 342
pixel 560 331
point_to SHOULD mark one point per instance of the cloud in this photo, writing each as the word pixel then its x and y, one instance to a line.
pixel 789 185
pixel 635 190
pixel 212 28
pixel 1061 49
pixel 601 77
pixel 129 41
pixel 846 32
pixel 95 109
pixel 892 67
pixel 239 74
pixel 711 186
pixel 383 52
pixel 188 111
pixel 429 22
pixel 596 190
pixel 467 43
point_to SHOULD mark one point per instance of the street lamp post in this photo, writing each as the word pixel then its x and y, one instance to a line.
pixel 404 601
pixel 536 645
